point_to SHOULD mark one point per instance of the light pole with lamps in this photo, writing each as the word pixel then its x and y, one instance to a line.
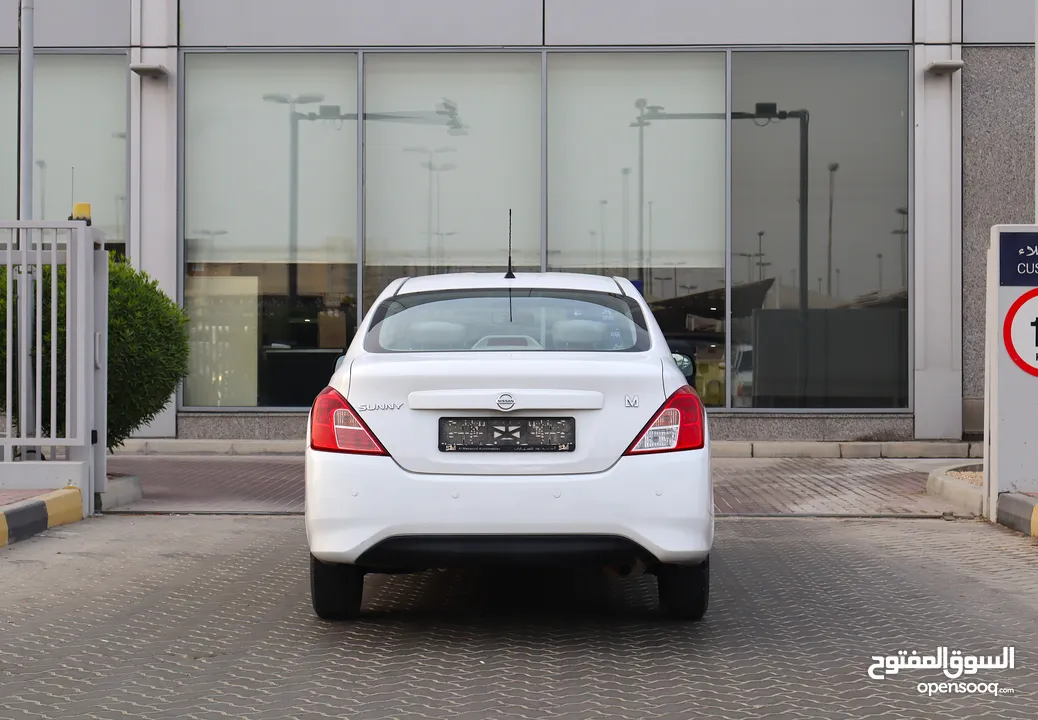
pixel 429 154
pixel 446 113
pixel 625 179
pixel 211 235
pixel 643 107
pixel 903 233
pixel 749 264
pixel 293 178
pixel 760 252
pixel 833 167
pixel 769 112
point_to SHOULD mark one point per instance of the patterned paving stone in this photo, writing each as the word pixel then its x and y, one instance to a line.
pixel 743 486
pixel 208 617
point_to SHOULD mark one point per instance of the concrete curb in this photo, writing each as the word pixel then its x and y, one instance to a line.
pixel 1018 512
pixel 963 495
pixel 120 491
pixel 22 520
pixel 719 448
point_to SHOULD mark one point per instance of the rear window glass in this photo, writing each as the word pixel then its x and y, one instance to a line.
pixel 508 320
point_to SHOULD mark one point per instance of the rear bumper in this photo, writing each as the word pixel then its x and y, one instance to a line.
pixel 368 511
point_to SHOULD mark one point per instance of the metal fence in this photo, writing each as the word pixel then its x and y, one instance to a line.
pixel 54 296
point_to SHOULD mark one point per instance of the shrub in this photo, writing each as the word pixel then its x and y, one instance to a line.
pixel 147 349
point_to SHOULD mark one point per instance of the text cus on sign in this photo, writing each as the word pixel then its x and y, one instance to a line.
pixel 1027 268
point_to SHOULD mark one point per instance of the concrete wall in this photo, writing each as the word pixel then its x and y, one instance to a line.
pixel 998 185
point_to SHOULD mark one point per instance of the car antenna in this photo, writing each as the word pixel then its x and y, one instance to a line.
pixel 509 275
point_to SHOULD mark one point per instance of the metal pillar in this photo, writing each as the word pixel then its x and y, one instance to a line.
pixel 26 301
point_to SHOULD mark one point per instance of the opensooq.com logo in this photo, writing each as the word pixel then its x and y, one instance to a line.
pixel 954 664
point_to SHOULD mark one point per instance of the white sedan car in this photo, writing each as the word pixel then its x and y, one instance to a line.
pixel 484 420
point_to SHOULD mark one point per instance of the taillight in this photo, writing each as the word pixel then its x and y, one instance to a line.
pixel 334 427
pixel 677 426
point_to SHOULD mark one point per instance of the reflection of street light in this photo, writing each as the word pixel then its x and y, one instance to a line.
pixel 903 232
pixel 837 282
pixel 42 165
pixel 833 167
pixel 433 168
pixel 446 113
pixel 642 105
pixel 673 277
pixel 625 177
pixel 293 178
pixel 689 289
pixel 651 248
pixel 429 209
pixel 770 113
pixel 760 252
pixel 879 259
pixel 749 264
pixel 211 235
pixel 762 265
pixel 441 251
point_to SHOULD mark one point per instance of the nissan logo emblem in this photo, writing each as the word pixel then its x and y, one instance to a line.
pixel 505 401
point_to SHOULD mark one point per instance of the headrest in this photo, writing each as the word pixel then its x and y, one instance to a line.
pixel 578 332
pixel 436 333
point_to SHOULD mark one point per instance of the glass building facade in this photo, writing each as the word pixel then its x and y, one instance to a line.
pixel 681 170
pixel 759 177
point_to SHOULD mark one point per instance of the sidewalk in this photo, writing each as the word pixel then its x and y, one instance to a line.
pixel 743 486
pixel 24 513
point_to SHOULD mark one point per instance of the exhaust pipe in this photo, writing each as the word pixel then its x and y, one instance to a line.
pixel 628 570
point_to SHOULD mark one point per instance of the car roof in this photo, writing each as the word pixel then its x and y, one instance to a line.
pixel 494 280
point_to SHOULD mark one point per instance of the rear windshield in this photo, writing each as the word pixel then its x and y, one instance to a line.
pixel 508 320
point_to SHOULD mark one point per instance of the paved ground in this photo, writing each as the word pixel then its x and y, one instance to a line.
pixel 13 496
pixel 744 486
pixel 207 617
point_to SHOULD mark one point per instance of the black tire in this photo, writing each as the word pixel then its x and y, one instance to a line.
pixel 335 590
pixel 684 590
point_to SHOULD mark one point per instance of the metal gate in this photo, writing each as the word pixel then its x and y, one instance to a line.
pixel 53 427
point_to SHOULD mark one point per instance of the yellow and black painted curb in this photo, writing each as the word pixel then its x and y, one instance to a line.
pixel 1019 512
pixel 24 519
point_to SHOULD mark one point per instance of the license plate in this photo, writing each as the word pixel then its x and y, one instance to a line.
pixel 520 434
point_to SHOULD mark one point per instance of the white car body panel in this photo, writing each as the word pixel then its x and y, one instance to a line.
pixel 661 501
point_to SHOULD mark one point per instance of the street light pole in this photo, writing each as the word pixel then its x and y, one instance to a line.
pixel 625 174
pixel 640 104
pixel 293 180
pixel 833 167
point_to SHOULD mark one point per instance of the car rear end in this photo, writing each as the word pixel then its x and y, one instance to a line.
pixel 532 423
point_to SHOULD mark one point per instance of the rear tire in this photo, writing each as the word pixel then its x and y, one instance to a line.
pixel 336 591
pixel 684 590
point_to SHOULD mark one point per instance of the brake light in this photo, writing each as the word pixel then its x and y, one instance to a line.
pixel 677 426
pixel 334 427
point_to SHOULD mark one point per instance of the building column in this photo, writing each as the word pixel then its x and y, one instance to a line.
pixel 937 220
pixel 153 160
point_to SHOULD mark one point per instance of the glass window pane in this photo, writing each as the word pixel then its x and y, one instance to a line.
pixel 636 187
pixel 452 143
pixel 837 337
pixel 8 136
pixel 270 224
pixel 80 155
pixel 510 320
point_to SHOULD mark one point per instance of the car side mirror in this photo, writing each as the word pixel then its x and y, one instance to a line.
pixel 338 362
pixel 684 362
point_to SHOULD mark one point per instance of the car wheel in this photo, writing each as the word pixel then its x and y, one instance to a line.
pixel 684 590
pixel 335 590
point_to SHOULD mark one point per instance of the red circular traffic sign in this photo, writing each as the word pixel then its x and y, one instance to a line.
pixel 1007 333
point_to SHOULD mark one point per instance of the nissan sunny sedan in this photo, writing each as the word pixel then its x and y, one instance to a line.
pixel 485 419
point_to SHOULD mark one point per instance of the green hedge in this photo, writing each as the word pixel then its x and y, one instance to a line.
pixel 147 349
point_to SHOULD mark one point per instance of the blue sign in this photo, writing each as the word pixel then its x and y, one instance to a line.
pixel 637 286
pixel 1018 261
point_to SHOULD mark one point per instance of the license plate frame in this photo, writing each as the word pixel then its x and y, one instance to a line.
pixel 512 434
